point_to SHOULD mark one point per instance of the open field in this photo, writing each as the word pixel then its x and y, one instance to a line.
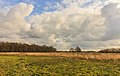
pixel 57 66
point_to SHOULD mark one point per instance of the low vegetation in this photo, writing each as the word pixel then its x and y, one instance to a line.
pixel 57 66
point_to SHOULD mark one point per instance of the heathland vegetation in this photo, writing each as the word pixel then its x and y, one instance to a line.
pixel 57 66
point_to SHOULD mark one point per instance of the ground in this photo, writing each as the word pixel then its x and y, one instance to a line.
pixel 57 66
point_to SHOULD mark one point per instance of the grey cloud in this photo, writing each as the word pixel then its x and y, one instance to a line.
pixel 112 15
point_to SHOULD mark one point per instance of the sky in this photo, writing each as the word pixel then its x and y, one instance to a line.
pixel 64 24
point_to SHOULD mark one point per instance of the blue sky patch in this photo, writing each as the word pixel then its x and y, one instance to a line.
pixel 38 4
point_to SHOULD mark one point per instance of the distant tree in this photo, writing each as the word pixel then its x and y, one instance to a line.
pixel 77 49
pixel 72 49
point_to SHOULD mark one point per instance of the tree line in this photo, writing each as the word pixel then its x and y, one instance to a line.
pixel 111 50
pixel 22 47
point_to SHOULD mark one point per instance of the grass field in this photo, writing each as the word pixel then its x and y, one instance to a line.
pixel 57 66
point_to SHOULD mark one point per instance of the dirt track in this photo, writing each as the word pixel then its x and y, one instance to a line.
pixel 99 56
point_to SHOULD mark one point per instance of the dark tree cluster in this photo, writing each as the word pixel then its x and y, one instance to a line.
pixel 77 49
pixel 22 47
pixel 112 50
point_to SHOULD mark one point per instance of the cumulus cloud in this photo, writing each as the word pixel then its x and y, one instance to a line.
pixel 114 1
pixel 112 21
pixel 69 27
pixel 89 24
pixel 13 23
pixel 91 27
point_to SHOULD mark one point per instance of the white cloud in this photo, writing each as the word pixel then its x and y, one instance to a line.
pixel 89 24
pixel 68 27
pixel 13 23
pixel 114 1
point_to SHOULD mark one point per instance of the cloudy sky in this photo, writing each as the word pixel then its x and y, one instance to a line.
pixel 90 24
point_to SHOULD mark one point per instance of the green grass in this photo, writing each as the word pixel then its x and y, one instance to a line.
pixel 56 66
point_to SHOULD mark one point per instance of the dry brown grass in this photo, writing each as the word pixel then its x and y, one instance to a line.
pixel 99 56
